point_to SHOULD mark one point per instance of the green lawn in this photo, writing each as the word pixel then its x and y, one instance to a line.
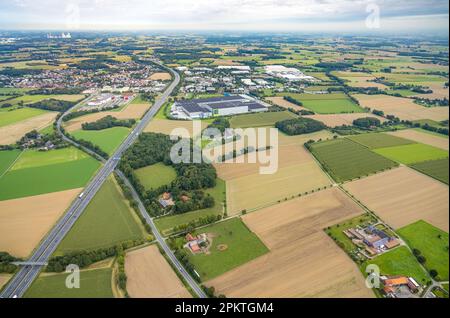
pixel 167 223
pixel 432 242
pixel 327 103
pixel 260 119
pixel 437 169
pixel 7 158
pixel 93 284
pixel 9 117
pixel 243 246
pixel 155 176
pixel 35 158
pixel 108 139
pixel 399 262
pixel 414 153
pixel 346 160
pixel 47 179
pixel 373 141
pixel 107 221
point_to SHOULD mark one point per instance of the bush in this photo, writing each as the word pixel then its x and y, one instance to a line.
pixel 300 126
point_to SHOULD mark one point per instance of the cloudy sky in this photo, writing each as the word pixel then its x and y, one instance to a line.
pixel 264 15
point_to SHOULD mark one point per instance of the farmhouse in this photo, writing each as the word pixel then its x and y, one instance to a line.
pixel 375 241
pixel 166 200
pixel 197 244
pixel 218 106
pixel 399 286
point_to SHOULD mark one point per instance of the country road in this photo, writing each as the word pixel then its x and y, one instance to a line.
pixel 19 284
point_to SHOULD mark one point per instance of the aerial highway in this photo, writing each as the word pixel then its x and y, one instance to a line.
pixel 19 284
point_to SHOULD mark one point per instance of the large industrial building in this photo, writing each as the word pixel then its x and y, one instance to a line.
pixel 218 106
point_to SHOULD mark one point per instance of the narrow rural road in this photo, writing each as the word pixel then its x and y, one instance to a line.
pixel 19 284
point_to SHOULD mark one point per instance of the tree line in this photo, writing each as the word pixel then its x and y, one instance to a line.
pixel 108 122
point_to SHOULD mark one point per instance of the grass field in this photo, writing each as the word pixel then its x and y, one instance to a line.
pixel 437 169
pixel 7 158
pixel 108 140
pixel 414 153
pixel 34 158
pixel 373 141
pixel 432 243
pixel 346 160
pixel 46 179
pixel 30 99
pixel 243 246
pixel 328 103
pixel 93 284
pixel 399 262
pixel 9 117
pixel 260 119
pixel 107 221
pixel 155 176
pixel 167 223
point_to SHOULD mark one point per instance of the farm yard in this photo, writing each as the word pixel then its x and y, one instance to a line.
pixel 24 222
pixel 346 160
pixel 432 244
pixel 334 103
pixel 150 276
pixel 167 223
pixel 108 211
pixel 399 262
pixel 403 108
pixel 303 261
pixel 93 284
pixel 241 247
pixel 403 196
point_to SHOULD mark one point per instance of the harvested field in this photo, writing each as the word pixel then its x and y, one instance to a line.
pixel 359 79
pixel 280 101
pixel 428 139
pixel 403 196
pixel 404 108
pixel 336 120
pixel 24 222
pixel 166 127
pixel 150 276
pixel 295 265
pixel 4 278
pixel 132 111
pixel 257 190
pixel 11 133
pixel 162 76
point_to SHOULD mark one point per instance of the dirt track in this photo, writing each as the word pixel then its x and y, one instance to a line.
pixel 24 222
pixel 303 261
pixel 403 196
pixel 150 276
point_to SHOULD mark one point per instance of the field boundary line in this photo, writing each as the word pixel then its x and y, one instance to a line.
pixel 12 164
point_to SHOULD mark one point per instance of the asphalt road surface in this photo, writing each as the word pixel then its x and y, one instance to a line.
pixel 19 284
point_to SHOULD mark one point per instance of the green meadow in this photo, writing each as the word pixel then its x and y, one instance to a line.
pixel 35 158
pixel 108 139
pixel 432 243
pixel 260 119
pixel 7 158
pixel 242 246
pixel 12 116
pixel 93 284
pixel 373 141
pixel 47 179
pixel 107 221
pixel 414 153
pixel 334 103
pixel 437 169
pixel 155 176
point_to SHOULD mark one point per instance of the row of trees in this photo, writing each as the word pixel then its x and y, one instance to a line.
pixel 108 122
pixel 53 105
pixel 5 263
pixel 81 113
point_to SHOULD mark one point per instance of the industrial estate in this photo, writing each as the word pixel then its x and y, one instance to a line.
pixel 87 127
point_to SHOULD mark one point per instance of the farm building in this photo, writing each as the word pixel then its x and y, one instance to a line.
pixel 376 241
pixel 399 286
pixel 218 106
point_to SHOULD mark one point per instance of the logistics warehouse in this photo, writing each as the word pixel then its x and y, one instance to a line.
pixel 218 106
